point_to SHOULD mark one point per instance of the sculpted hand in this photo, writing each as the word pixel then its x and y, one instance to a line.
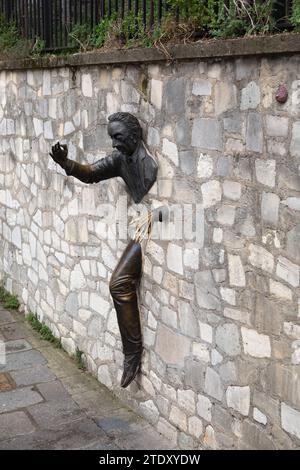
pixel 59 154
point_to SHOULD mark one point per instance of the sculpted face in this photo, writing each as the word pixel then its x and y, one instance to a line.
pixel 122 138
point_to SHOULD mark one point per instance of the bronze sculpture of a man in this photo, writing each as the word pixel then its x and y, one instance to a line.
pixel 132 162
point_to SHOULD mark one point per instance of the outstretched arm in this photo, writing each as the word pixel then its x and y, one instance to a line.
pixel 101 170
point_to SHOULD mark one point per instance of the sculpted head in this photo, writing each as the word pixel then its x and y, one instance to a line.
pixel 125 132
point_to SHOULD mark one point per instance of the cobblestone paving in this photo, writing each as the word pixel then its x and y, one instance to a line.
pixel 46 402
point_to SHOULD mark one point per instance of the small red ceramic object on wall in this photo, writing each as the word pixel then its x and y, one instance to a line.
pixel 282 94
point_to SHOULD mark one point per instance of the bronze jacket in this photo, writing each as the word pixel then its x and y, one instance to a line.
pixel 138 171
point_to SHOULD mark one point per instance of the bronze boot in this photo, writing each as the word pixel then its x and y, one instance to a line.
pixel 123 288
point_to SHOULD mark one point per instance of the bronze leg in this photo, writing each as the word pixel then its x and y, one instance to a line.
pixel 123 287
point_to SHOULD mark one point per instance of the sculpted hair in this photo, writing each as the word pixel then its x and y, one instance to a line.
pixel 130 121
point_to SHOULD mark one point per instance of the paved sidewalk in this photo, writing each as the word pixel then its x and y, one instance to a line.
pixel 46 402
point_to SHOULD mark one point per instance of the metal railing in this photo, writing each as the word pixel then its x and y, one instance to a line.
pixel 52 20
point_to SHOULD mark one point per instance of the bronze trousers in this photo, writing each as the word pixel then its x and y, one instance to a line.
pixel 123 288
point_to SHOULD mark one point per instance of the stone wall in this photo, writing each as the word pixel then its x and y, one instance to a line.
pixel 220 311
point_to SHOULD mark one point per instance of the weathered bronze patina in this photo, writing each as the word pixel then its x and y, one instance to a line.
pixel 134 164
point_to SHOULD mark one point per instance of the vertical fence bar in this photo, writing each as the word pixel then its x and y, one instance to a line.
pixel 80 12
pixel 47 22
pixel 18 13
pixel 71 16
pixel 92 4
pixel 24 19
pixel 97 12
pixel 55 25
pixel 29 12
pixel 75 12
pixel 38 31
pixel 8 10
pixel 136 7
pixel 145 13
pixel 117 5
pixel 85 11
pixel 28 7
pixel 151 18
pixel 109 8
pixel 66 24
pixel 159 10
pixel 34 18
pixel 122 8
pixel 60 37
pixel 29 19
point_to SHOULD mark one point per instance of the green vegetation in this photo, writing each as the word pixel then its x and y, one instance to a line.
pixel 43 330
pixel 12 45
pixel 9 301
pixel 47 335
pixel 216 18
pixel 295 17
pixel 197 19
pixel 78 357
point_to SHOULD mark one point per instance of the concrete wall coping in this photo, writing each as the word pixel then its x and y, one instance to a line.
pixel 212 48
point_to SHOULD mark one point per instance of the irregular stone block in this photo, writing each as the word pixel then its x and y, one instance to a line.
pixel 259 416
pixel 194 373
pixel 186 401
pixel 213 385
pixel 225 97
pixel 266 172
pixel 295 141
pixel 174 258
pixel 293 243
pixel 254 132
pixel 261 258
pixel 288 271
pixel 206 292
pixel 204 407
pixel 255 344
pixel 174 94
pixel 270 207
pixel 236 271
pixel 290 420
pixel 211 193
pixel 238 398
pixel 283 381
pixel 87 85
pixel 171 347
pixel 228 339
pixel 250 96
pixel 206 134
pixel 202 87
pixel 277 126
pixel 156 93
